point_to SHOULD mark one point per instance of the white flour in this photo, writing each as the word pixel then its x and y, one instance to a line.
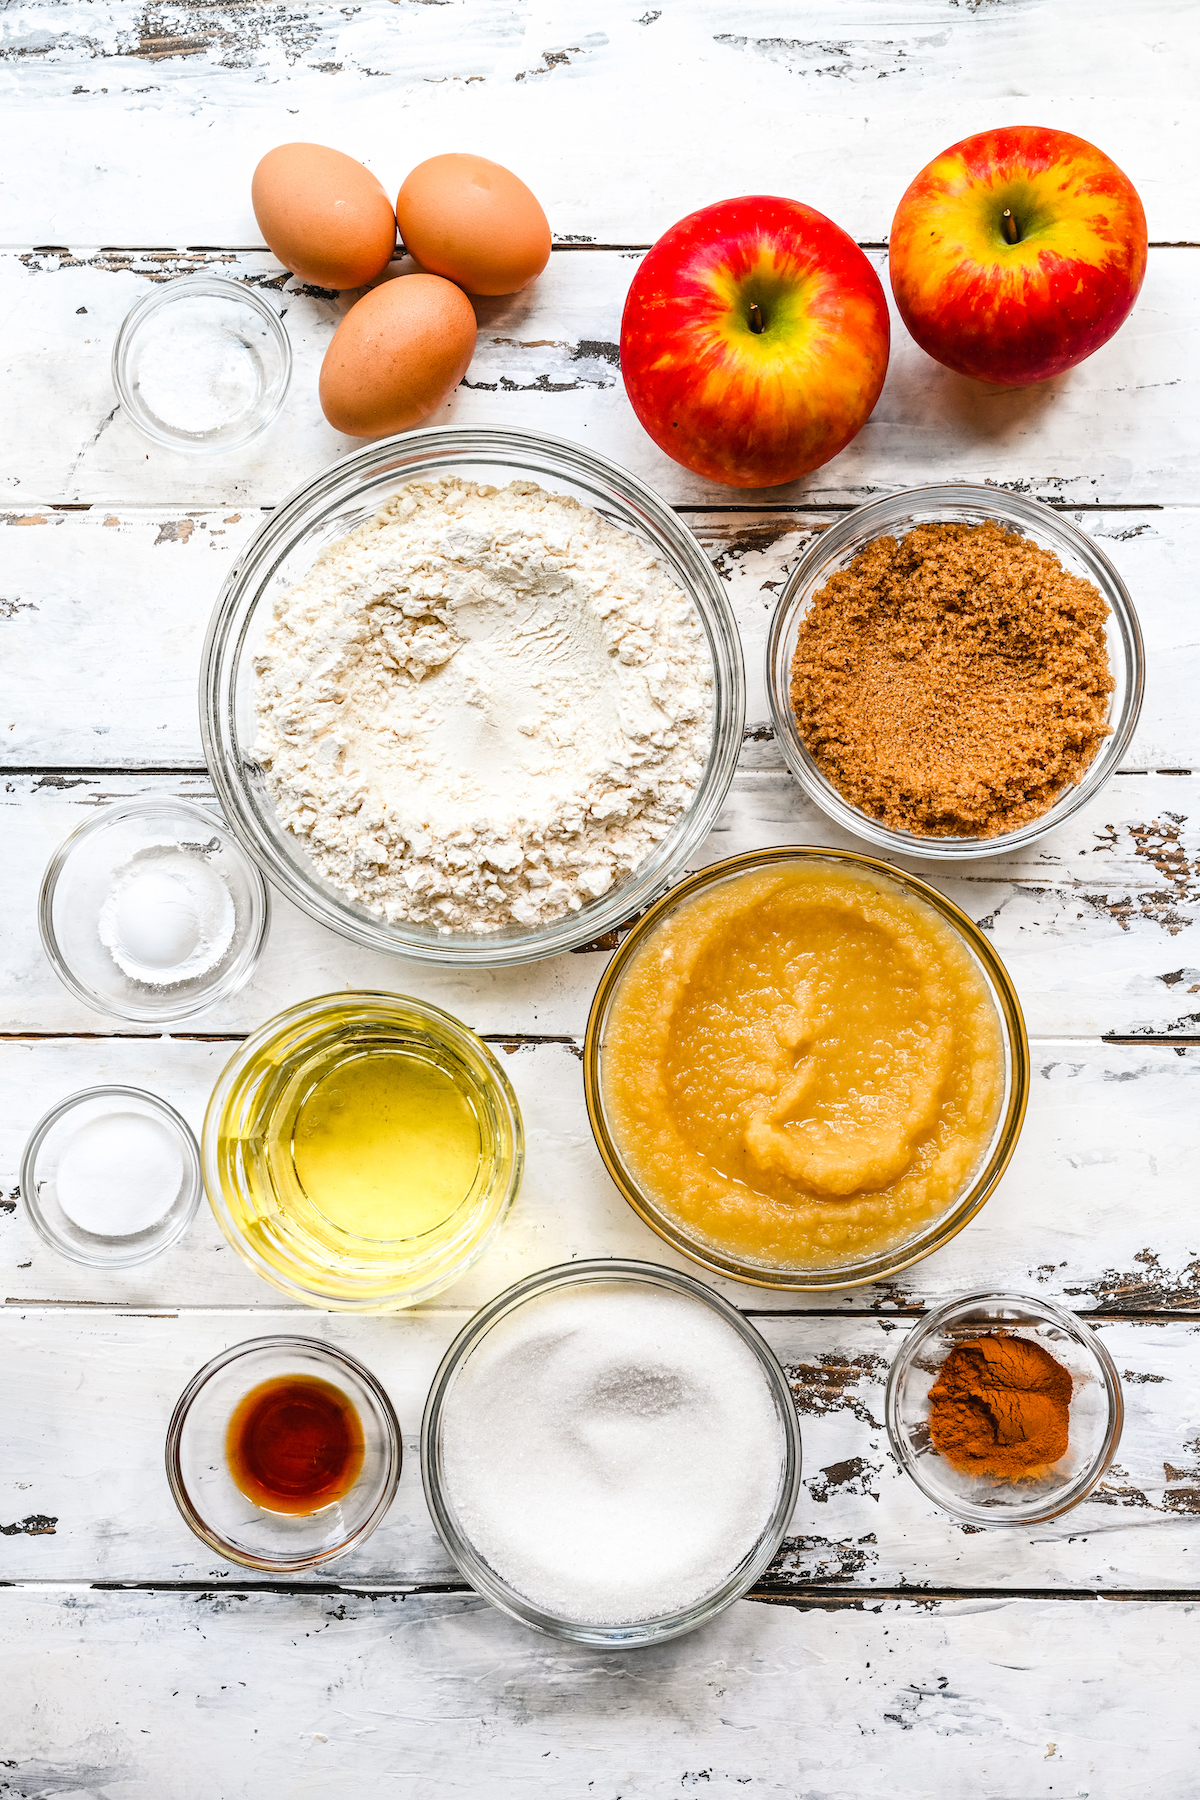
pixel 484 707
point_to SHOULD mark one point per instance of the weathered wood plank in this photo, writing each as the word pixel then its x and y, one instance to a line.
pixel 308 1695
pixel 1095 922
pixel 90 1502
pixel 1097 1207
pixel 103 613
pixel 1120 428
pixel 144 127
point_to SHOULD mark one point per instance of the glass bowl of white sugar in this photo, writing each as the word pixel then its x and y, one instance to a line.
pixel 610 1453
pixel 202 364
pixel 111 1177
pixel 473 696
pixel 150 911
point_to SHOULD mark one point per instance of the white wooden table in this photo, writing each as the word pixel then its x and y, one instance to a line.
pixel 889 1651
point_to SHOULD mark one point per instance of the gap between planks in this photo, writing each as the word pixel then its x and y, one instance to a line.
pixel 807 1596
pixel 559 249
pixel 883 1310
pixel 526 1039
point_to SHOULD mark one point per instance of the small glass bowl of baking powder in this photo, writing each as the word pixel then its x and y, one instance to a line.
pixel 957 503
pixel 202 364
pixel 349 494
pixel 1096 1414
pixel 111 1177
pixel 151 911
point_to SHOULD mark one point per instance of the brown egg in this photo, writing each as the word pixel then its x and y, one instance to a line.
pixel 324 215
pixel 396 355
pixel 472 221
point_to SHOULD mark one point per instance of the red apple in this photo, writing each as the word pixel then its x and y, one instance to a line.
pixel 1017 253
pixel 754 341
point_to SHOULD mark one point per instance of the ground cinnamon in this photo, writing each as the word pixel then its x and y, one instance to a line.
pixel 952 682
pixel 1000 1406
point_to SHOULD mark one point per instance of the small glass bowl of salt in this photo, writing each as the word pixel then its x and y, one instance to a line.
pixel 202 364
pixel 111 1177
pixel 152 912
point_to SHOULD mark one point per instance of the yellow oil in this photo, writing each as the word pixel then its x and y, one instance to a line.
pixel 361 1149
pixel 386 1145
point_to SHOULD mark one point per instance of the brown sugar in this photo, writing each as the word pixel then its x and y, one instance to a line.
pixel 1001 1406
pixel 954 681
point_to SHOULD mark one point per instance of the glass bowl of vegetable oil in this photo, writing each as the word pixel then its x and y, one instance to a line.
pixel 361 1150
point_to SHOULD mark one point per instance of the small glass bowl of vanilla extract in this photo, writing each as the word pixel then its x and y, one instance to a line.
pixel 361 1150
pixel 283 1453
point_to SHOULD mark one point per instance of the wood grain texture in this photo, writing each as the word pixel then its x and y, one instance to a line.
pixel 143 126
pixel 1097 1208
pixel 1121 428
pixel 309 1697
pixel 139 127
pixel 104 1513
pixel 1095 922
pixel 103 613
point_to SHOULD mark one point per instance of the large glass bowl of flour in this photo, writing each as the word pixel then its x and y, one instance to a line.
pixel 348 495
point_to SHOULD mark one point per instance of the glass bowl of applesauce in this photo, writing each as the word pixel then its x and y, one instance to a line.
pixel 894 516
pixel 806 1069
pixel 361 1150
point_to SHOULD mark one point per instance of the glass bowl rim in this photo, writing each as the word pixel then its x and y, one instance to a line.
pixel 215 287
pixel 985 1180
pixel 493 1587
pixel 1005 507
pixel 192 1173
pixel 290 1016
pixel 412 455
pixel 1081 1333
pixel 330 1353
pixel 200 999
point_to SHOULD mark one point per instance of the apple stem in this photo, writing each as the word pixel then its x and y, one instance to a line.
pixel 1010 226
pixel 757 322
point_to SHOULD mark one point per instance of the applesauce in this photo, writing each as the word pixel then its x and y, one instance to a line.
pixel 802 1066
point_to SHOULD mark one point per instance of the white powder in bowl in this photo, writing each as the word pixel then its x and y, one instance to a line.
pixel 119 1174
pixel 168 916
pixel 198 372
pixel 483 707
pixel 613 1451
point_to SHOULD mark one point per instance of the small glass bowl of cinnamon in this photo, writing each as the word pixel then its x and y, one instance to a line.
pixel 948 728
pixel 1004 1409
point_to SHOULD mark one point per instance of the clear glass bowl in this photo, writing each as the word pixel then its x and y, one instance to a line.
pixel 484 1579
pixel 79 877
pixel 215 1507
pixel 202 364
pixel 258 1198
pixel 337 501
pixel 39 1180
pixel 955 503
pixel 898 1256
pixel 1096 1417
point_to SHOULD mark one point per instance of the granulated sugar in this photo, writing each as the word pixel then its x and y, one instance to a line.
pixel 613 1451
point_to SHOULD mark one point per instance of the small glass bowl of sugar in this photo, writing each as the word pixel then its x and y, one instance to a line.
pixel 151 911
pixel 202 364
pixel 111 1177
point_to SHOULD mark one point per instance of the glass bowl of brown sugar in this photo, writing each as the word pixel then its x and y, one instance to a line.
pixel 953 671
pixel 1004 1409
